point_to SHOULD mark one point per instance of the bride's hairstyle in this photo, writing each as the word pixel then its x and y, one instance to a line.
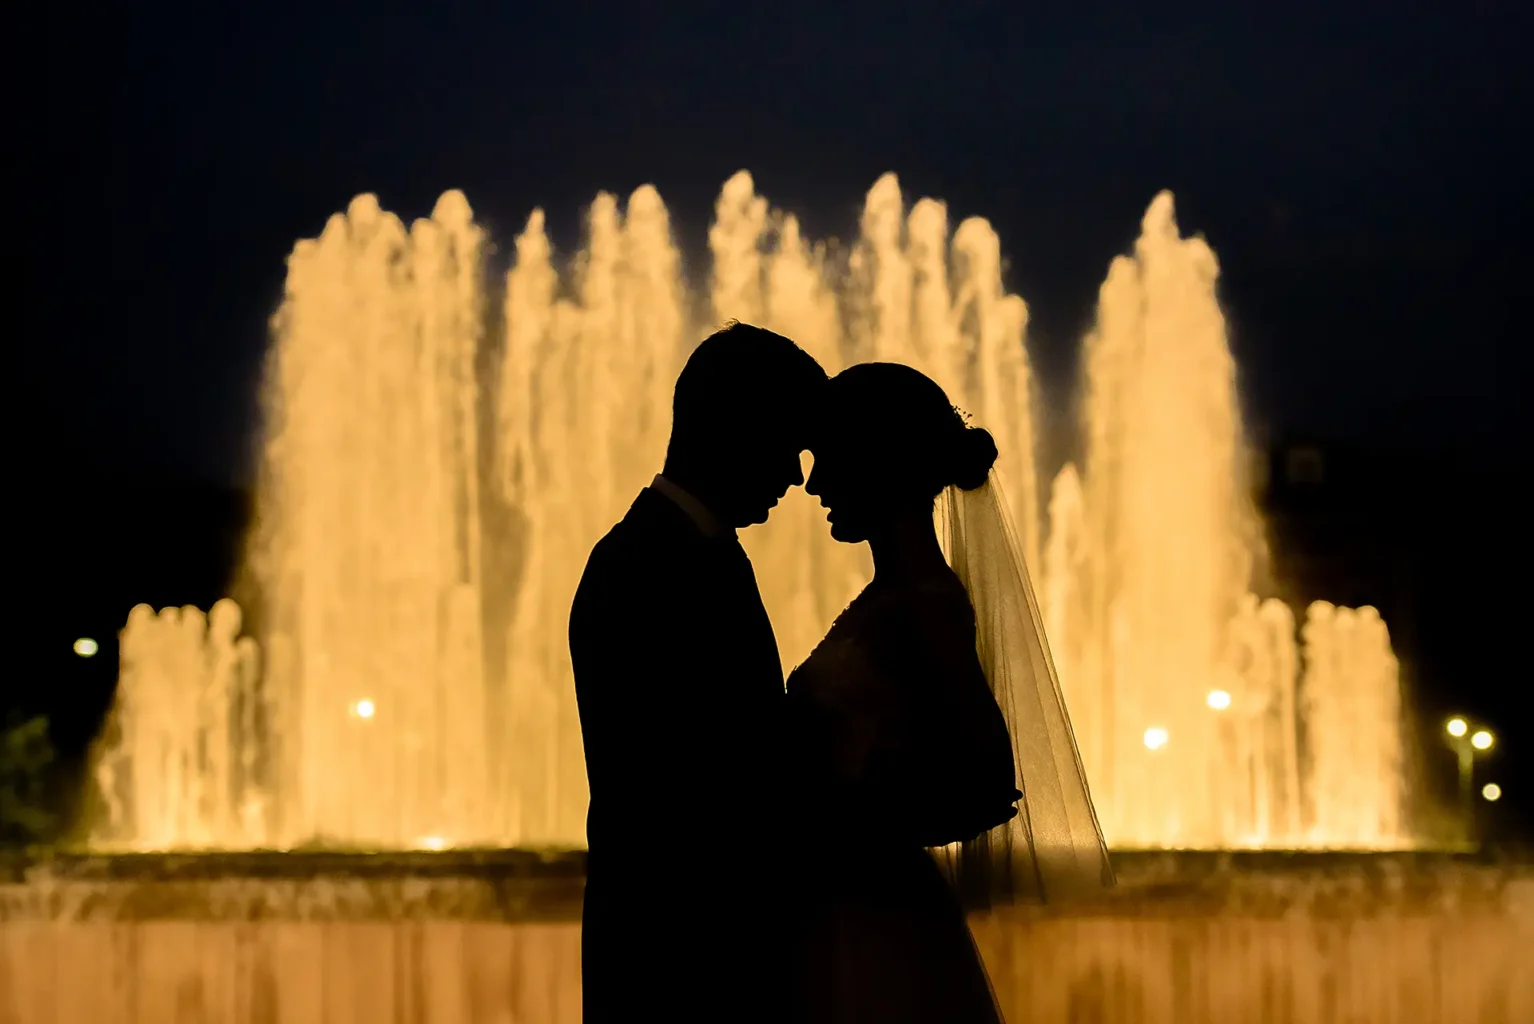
pixel 909 435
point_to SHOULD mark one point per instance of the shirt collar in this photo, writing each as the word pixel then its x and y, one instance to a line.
pixel 707 523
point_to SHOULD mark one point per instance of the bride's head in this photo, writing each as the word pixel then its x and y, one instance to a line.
pixel 888 444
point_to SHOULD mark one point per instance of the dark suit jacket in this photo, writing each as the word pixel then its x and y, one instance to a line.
pixel 680 690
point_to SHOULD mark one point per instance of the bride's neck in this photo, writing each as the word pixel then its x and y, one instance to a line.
pixel 907 549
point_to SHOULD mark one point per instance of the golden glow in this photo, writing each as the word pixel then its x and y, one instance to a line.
pixel 1218 699
pixel 423 521
pixel 85 647
pixel 432 843
pixel 1491 791
pixel 1482 740
pixel 1457 727
pixel 1146 592
pixel 193 693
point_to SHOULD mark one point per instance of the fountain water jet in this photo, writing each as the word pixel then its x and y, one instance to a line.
pixel 425 512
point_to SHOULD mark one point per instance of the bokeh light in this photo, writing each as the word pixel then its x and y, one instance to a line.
pixel 1457 727
pixel 1155 738
pixel 85 647
pixel 1491 791
pixel 1218 699
pixel 1482 740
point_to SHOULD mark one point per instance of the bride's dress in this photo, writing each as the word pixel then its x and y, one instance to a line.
pixel 905 747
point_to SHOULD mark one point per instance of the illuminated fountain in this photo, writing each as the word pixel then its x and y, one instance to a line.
pixel 1200 722
pixel 431 490
pixel 191 725
pixel 440 457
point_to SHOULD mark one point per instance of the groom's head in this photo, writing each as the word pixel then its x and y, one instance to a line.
pixel 740 420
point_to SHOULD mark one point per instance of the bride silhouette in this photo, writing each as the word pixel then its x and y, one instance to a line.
pixel 929 722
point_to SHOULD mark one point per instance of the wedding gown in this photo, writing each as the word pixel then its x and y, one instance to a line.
pixel 902 743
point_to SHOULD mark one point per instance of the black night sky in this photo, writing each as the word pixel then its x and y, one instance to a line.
pixel 1360 169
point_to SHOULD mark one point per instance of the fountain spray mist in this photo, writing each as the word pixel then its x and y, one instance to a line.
pixel 431 491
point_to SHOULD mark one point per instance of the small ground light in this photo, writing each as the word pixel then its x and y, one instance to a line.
pixel 85 647
pixel 1491 791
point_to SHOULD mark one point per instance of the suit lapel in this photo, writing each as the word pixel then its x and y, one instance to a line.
pixel 756 625
pixel 732 609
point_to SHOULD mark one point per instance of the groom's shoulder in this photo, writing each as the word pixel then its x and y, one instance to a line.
pixel 619 545
pixel 638 541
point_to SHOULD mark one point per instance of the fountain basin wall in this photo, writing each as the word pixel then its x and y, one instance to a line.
pixel 1187 938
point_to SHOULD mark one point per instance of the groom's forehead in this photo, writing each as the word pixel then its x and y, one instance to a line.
pixel 827 423
pixel 817 424
pixel 771 428
pixel 784 415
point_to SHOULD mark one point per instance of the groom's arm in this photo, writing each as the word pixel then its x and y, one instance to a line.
pixel 654 700
pixel 815 805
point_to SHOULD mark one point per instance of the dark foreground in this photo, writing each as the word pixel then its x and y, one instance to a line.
pixel 1415 938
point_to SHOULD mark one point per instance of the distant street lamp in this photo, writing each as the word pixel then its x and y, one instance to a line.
pixel 1491 792
pixel 1465 748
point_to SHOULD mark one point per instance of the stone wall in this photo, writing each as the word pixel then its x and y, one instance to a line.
pixel 1187 939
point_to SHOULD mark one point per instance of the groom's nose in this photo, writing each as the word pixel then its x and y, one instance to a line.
pixel 790 478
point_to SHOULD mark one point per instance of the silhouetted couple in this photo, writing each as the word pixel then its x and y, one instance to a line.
pixel 807 853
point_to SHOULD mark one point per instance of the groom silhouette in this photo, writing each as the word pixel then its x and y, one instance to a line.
pixel 681 699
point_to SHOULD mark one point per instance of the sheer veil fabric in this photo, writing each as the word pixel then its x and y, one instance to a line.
pixel 1053 850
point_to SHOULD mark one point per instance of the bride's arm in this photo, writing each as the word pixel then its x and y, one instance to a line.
pixel 899 736
pixel 946 773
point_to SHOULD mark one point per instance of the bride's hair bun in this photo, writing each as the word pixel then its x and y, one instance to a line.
pixel 973 457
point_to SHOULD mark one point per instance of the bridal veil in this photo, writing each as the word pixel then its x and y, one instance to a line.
pixel 1054 849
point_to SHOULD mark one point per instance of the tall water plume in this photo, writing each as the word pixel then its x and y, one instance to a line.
pixel 1183 683
pixel 1164 506
pixel 370 556
pixel 433 485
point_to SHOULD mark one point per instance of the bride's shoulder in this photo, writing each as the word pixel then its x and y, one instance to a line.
pixel 912 619
pixel 881 607
pixel 881 617
pixel 941 595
